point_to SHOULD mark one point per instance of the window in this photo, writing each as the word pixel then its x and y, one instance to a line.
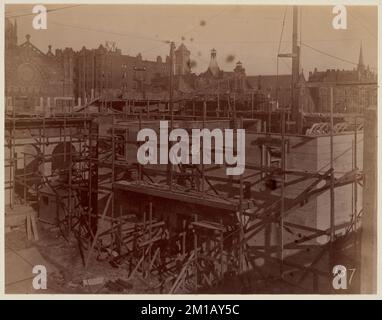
pixel 120 151
pixel 45 200
pixel 274 155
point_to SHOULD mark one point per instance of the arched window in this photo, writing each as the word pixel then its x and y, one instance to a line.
pixel 61 155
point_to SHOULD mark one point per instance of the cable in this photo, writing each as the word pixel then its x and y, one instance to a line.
pixel 182 34
pixel 200 59
pixel 340 155
pixel 155 48
pixel 286 64
pixel 363 25
pixel 208 19
pixel 49 10
pixel 108 32
pixel 19 255
pixel 332 56
pixel 276 41
pixel 163 41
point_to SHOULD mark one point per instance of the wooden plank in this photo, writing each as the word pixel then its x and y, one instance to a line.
pixel 34 226
pixel 182 272
pixel 29 227
pixel 208 225
pixel 192 198
pixel 97 233
pixel 140 261
pixel 154 258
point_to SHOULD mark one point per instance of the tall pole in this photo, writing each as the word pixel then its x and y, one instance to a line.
pixel 202 145
pixel 252 104
pixel 171 106
pixel 241 215
pixel 282 207
pixel 355 167
pixel 332 218
pixel 218 106
pixel 269 115
pixel 369 239
pixel 295 70
pixel 171 93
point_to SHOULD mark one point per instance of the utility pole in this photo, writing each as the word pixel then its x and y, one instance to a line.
pixel 282 207
pixel 295 71
pixel 124 77
pixel 332 201
pixel 171 106
pixel 295 56
pixel 171 92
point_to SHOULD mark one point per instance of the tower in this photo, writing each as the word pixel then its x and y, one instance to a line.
pixel 361 65
pixel 10 34
pixel 213 66
pixel 239 77
pixel 182 60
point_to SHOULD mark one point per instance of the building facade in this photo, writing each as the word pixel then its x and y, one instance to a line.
pixel 32 75
pixel 106 72
pixel 216 80
pixel 353 90
pixel 36 78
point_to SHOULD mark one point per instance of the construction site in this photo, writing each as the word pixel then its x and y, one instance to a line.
pixel 105 223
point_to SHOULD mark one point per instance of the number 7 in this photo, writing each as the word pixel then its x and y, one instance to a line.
pixel 351 275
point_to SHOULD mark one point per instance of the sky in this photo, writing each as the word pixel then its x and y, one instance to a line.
pixel 246 33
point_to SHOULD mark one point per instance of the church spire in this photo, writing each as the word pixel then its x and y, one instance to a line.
pixel 361 65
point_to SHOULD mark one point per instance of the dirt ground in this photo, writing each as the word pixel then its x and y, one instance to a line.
pixel 66 272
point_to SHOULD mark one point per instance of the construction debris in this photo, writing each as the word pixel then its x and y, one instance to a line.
pixel 93 281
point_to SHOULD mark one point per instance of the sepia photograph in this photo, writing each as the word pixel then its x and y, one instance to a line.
pixel 190 149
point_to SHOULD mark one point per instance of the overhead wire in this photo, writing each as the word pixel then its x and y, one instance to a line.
pixel 48 10
pixel 362 24
pixel 166 41
pixel 331 55
pixel 200 23
pixel 122 34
